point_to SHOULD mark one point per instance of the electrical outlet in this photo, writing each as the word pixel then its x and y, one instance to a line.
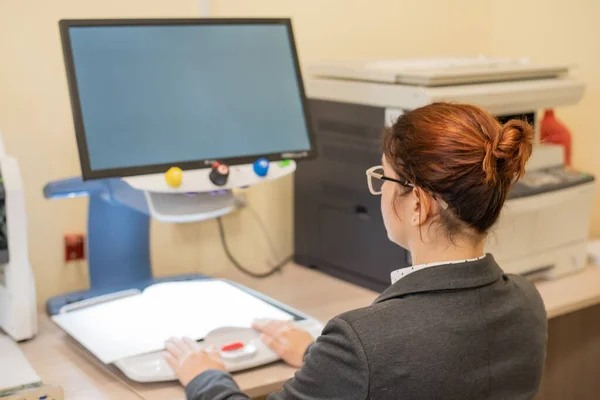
pixel 74 247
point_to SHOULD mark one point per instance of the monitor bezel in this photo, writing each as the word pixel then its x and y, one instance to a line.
pixel 84 157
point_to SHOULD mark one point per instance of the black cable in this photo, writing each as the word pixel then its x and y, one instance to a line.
pixel 236 263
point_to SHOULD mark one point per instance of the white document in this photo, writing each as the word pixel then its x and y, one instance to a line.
pixel 441 63
pixel 142 323
pixel 15 370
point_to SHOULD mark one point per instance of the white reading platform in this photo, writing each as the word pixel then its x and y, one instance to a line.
pixel 131 331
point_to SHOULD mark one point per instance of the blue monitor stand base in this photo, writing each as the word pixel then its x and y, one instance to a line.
pixel 118 240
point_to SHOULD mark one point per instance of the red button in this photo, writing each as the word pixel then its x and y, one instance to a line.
pixel 233 346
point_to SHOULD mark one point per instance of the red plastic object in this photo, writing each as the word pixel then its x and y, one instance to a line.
pixel 74 247
pixel 555 132
pixel 233 346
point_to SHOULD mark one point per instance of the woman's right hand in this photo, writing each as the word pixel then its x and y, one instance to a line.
pixel 285 339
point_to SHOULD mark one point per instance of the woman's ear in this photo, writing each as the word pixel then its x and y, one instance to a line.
pixel 421 207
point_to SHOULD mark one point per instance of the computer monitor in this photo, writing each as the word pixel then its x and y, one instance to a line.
pixel 151 94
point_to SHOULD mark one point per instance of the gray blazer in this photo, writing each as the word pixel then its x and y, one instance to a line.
pixel 459 331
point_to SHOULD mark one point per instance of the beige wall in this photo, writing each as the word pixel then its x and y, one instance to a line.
pixel 341 29
pixel 36 118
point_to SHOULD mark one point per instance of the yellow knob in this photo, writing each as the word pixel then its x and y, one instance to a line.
pixel 174 176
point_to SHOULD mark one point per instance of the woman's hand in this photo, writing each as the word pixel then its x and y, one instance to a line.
pixel 189 360
pixel 285 339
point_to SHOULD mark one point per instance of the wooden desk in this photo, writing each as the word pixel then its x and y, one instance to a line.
pixel 573 351
pixel 59 360
pixel 571 293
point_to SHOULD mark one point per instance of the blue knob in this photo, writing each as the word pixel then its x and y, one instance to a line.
pixel 261 167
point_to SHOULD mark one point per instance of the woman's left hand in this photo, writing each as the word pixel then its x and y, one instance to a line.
pixel 285 339
pixel 189 360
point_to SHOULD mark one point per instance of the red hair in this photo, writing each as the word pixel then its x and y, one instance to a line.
pixel 463 155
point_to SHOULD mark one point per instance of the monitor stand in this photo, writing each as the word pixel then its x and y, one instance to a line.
pixel 182 207
pixel 119 233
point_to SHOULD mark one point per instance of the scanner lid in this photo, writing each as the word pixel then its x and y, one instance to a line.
pixel 437 71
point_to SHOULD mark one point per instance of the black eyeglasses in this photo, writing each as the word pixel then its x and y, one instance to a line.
pixel 376 178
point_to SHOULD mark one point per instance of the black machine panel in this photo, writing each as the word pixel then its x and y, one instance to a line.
pixel 338 223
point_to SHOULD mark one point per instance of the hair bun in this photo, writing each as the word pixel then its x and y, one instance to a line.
pixel 508 152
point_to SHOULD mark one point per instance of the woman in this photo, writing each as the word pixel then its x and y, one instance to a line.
pixel 453 326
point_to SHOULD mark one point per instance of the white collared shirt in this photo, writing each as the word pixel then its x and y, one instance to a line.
pixel 402 272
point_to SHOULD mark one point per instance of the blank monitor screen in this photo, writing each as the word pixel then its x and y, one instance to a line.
pixel 148 95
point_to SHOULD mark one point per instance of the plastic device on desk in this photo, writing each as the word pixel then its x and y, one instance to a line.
pixel 129 173
pixel 130 331
pixel 174 152
pixel 239 348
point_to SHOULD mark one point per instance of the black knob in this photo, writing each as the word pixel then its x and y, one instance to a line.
pixel 219 173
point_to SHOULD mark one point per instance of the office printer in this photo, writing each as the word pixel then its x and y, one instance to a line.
pixel 544 226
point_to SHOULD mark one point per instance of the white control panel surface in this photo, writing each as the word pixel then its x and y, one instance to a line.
pixel 181 207
pixel 198 180
pixel 239 348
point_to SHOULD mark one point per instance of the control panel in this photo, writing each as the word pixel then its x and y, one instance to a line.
pixel 215 178
pixel 548 180
pixel 239 348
